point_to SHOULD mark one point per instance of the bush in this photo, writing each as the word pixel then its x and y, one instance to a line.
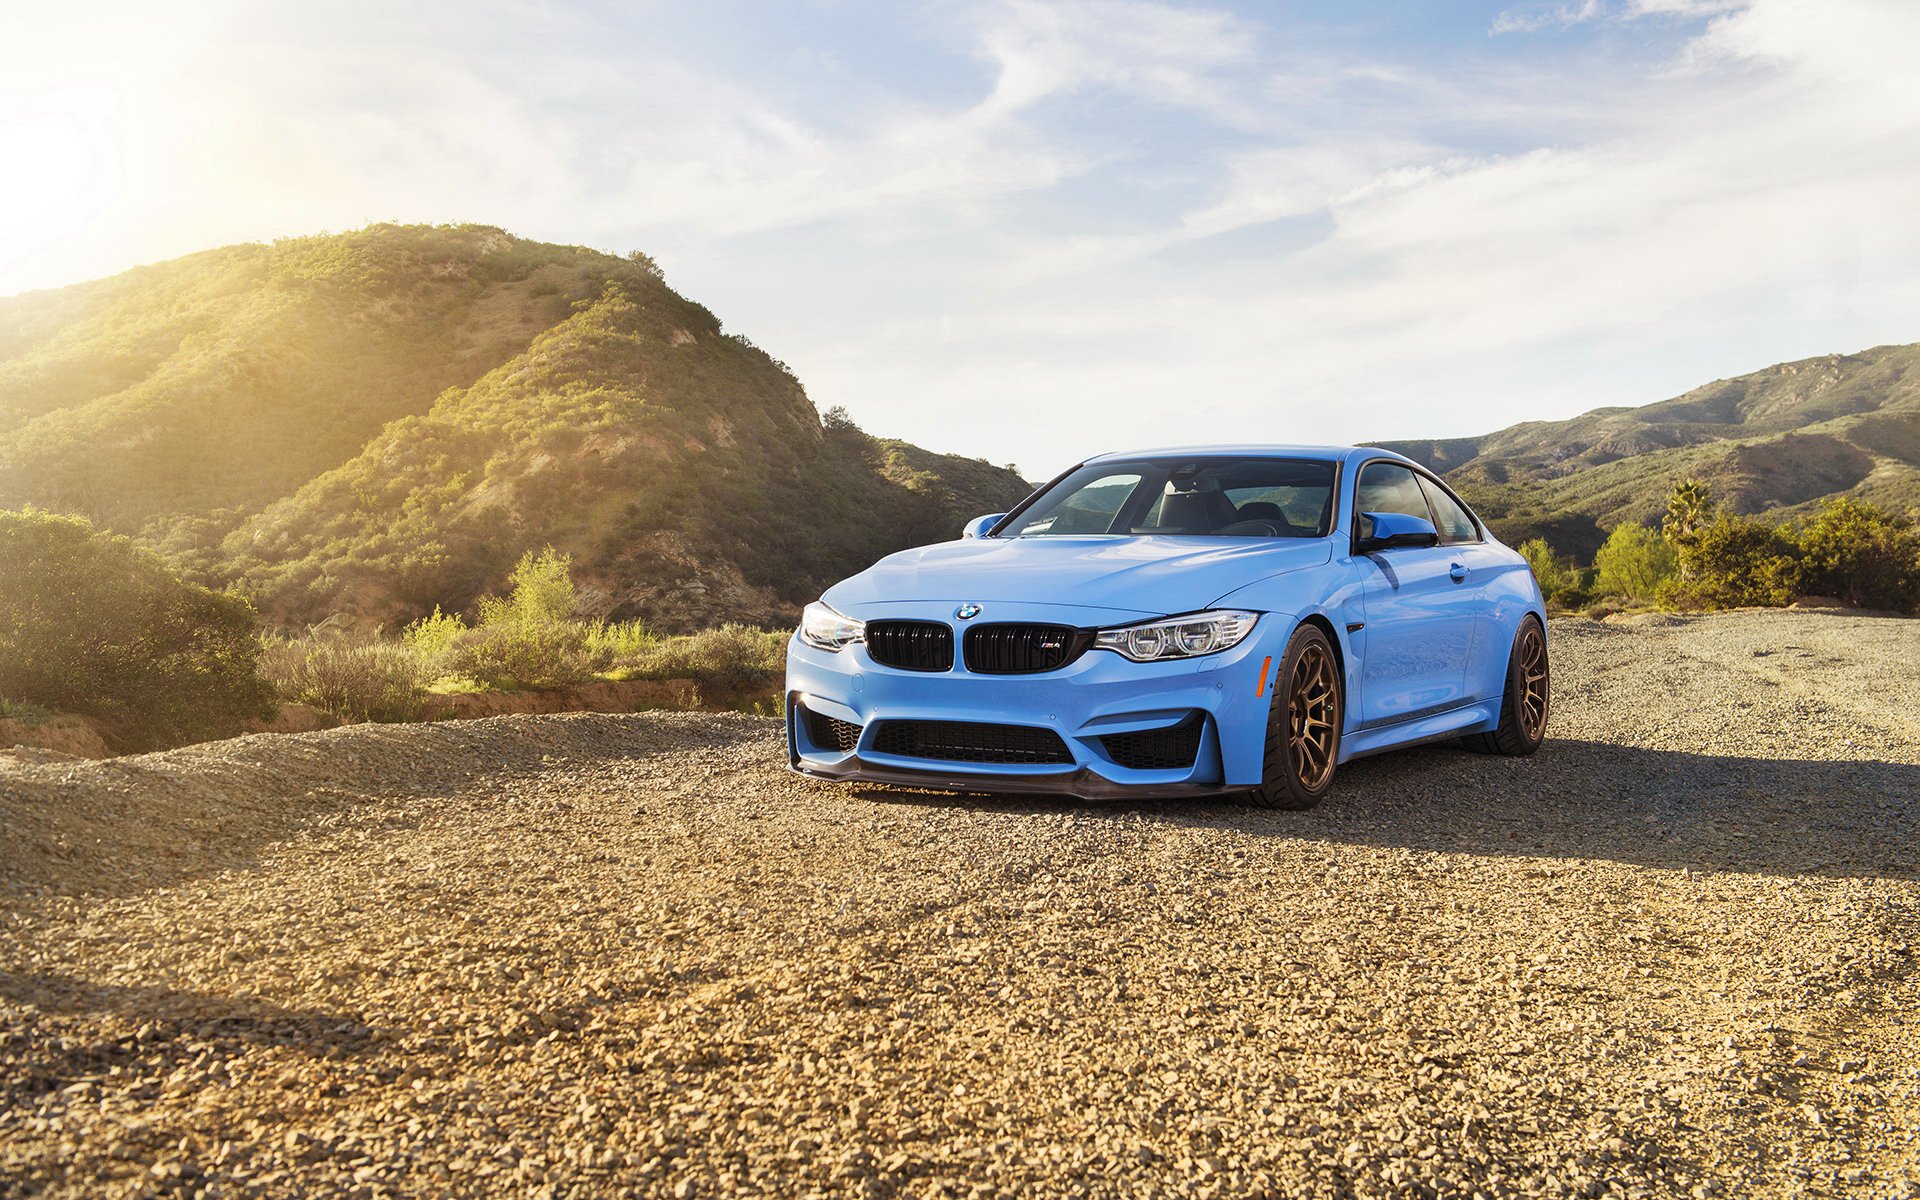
pixel 1561 581
pixel 27 714
pixel 92 624
pixel 1862 555
pixel 1635 562
pixel 1730 561
pixel 540 590
pixel 732 656
pixel 512 655
pixel 355 680
pixel 433 641
pixel 619 642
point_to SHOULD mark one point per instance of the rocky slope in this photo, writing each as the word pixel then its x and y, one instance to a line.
pixel 1782 438
pixel 375 423
pixel 1673 954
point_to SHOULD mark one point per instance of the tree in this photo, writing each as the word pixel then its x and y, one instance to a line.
pixel 838 420
pixel 1863 555
pixel 1689 506
pixel 1635 562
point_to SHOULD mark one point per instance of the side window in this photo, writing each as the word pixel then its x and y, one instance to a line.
pixel 1455 524
pixel 1388 488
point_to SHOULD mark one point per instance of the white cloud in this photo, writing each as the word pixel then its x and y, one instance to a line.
pixel 1136 222
pixel 1749 209
pixel 1533 19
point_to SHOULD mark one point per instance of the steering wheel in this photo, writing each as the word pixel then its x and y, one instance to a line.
pixel 1253 528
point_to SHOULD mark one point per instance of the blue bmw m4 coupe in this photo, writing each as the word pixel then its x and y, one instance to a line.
pixel 1222 619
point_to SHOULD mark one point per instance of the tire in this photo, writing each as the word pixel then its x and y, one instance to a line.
pixel 1303 725
pixel 1527 701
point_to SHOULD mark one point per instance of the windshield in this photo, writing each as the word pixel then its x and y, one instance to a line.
pixel 1185 497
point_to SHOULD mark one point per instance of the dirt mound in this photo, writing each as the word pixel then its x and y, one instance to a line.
pixel 68 735
pixel 1671 955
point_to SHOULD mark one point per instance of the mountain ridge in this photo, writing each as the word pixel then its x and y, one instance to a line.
pixel 1779 441
pixel 365 426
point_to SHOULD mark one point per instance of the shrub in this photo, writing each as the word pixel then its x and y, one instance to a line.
pixel 355 680
pixel 26 714
pixel 618 643
pixel 510 655
pixel 1863 555
pixel 433 640
pixel 1730 561
pixel 1560 580
pixel 91 623
pixel 539 590
pixel 732 656
pixel 1635 562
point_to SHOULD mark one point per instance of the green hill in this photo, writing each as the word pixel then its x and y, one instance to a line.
pixel 1779 441
pixel 378 422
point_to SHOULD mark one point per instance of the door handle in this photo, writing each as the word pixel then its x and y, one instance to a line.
pixel 1458 571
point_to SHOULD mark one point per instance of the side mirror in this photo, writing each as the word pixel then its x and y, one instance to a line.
pixel 977 528
pixel 1387 531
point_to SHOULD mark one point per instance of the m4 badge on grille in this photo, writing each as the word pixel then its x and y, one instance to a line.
pixel 967 612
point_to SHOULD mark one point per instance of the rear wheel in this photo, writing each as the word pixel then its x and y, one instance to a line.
pixel 1528 698
pixel 1303 725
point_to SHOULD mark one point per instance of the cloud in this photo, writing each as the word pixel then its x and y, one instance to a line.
pixel 1747 208
pixel 1081 222
pixel 1533 19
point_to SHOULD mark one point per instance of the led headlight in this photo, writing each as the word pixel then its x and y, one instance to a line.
pixel 825 629
pixel 1179 637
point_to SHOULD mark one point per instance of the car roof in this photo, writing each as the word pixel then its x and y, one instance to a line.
pixel 1257 450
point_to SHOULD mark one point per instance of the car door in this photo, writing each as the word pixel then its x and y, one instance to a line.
pixel 1463 535
pixel 1420 612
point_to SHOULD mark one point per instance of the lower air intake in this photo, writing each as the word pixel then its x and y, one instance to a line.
pixel 830 733
pixel 1170 749
pixel 969 741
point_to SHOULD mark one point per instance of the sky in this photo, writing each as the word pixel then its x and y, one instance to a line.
pixel 1035 230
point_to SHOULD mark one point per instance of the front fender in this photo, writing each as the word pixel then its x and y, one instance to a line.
pixel 1331 592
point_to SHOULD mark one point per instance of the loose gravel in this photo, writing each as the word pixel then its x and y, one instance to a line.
pixel 1670 955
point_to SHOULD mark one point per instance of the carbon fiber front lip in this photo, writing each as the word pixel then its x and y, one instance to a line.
pixel 1083 784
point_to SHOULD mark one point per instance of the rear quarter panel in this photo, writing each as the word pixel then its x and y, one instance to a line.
pixel 1511 594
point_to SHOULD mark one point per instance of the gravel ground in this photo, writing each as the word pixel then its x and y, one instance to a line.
pixel 1671 955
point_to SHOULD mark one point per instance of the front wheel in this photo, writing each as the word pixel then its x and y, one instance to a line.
pixel 1303 725
pixel 1523 707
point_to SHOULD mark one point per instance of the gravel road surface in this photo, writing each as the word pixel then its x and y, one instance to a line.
pixel 1671 955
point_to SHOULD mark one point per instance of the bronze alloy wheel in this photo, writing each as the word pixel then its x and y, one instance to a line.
pixel 1533 682
pixel 1313 716
pixel 1525 704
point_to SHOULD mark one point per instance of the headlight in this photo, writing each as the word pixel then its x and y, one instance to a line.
pixel 825 629
pixel 1179 637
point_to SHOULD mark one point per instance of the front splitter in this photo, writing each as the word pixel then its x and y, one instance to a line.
pixel 1082 784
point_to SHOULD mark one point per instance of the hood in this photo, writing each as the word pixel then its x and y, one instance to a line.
pixel 1137 576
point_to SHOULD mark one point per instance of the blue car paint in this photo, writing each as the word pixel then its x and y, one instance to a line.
pixel 1131 577
pixel 1423 635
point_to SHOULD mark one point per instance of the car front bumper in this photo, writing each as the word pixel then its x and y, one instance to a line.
pixel 1094 698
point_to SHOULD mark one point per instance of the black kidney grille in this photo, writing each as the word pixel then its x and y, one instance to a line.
pixel 970 741
pixel 1168 749
pixel 1023 649
pixel 911 645
pixel 831 733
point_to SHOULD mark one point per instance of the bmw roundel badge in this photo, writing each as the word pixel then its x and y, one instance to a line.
pixel 967 612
